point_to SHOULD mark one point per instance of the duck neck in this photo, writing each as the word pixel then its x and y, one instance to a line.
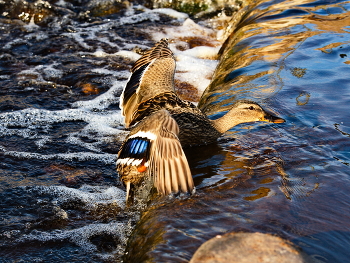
pixel 227 121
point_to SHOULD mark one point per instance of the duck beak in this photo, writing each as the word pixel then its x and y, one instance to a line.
pixel 273 119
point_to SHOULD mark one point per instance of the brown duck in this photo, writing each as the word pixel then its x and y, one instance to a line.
pixel 161 124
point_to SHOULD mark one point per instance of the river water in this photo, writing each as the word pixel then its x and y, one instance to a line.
pixel 61 75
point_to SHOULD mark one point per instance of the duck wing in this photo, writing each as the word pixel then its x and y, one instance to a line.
pixel 167 100
pixel 151 75
pixel 153 148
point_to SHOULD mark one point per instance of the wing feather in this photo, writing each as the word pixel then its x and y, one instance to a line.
pixel 152 75
pixel 160 50
pixel 170 167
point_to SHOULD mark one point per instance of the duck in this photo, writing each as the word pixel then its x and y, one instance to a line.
pixel 161 125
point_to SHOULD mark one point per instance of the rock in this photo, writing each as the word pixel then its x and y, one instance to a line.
pixel 194 7
pixel 100 8
pixel 248 248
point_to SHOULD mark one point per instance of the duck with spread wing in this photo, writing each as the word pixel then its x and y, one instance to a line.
pixel 161 124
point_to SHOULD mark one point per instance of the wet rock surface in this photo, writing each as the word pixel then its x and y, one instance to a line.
pixel 248 248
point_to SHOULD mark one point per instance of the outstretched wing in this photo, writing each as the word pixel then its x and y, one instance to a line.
pixel 151 75
pixel 154 149
pixel 169 163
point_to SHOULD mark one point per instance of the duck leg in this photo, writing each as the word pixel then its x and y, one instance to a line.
pixel 127 191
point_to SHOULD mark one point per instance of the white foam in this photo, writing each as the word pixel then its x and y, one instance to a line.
pixel 128 54
pixel 61 3
pixel 107 41
pixel 34 118
pixel 33 122
pixel 118 74
pixel 36 124
pixel 77 156
pixel 38 35
pixel 78 38
pixel 18 41
pixel 188 29
pixel 172 13
pixel 197 72
pixel 42 141
pixel 81 236
pixel 31 26
pixel 5 76
pixel 42 72
pixel 203 52
pixel 100 53
pixel 88 196
pixel 133 19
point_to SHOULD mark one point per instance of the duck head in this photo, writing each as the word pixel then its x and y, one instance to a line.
pixel 244 111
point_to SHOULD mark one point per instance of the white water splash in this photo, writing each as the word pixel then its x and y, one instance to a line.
pixel 90 196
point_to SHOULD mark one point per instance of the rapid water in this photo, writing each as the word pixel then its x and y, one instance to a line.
pixel 63 66
pixel 61 75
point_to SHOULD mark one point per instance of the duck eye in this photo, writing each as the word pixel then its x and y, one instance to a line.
pixel 251 108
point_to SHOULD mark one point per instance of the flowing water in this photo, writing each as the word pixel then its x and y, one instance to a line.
pixel 61 75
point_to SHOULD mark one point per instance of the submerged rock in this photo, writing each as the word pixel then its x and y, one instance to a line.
pixel 194 7
pixel 100 8
pixel 38 12
pixel 247 248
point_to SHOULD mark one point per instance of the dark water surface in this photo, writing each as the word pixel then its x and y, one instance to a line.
pixel 290 179
pixel 60 130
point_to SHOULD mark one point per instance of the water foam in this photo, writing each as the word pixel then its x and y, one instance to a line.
pixel 89 196
pixel 31 26
pixel 97 121
pixel 195 70
pixel 194 65
pixel 80 237
pixel 37 124
pixel 172 13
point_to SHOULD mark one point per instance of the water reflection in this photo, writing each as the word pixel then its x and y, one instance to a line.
pixel 273 36
pixel 290 180
pixel 303 98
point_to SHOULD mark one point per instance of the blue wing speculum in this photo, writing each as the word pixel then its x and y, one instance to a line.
pixel 135 151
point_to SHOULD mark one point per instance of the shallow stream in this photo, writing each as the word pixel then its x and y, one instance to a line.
pixel 61 75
